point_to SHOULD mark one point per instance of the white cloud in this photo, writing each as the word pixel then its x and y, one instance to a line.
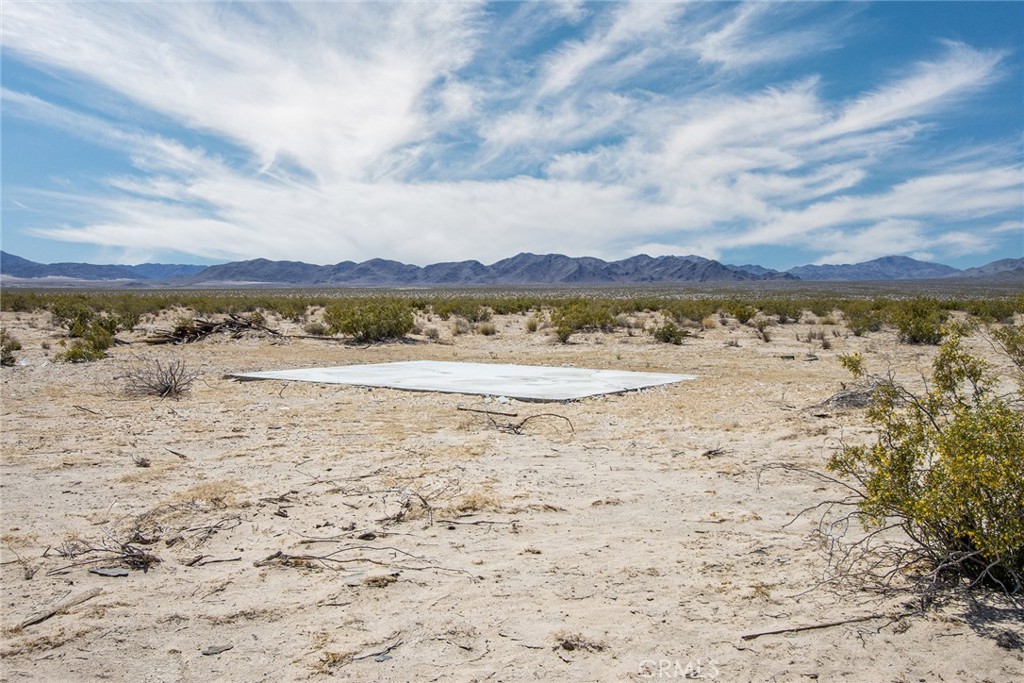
pixel 755 33
pixel 403 130
pixel 958 73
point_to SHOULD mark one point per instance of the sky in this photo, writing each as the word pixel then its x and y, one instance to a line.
pixel 773 133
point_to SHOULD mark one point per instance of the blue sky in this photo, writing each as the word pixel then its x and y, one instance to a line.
pixel 777 133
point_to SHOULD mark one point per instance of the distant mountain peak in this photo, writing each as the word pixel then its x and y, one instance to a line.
pixel 884 268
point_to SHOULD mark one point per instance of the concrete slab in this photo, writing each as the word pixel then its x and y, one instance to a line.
pixel 524 382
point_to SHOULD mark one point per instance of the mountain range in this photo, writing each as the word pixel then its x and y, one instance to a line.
pixel 523 269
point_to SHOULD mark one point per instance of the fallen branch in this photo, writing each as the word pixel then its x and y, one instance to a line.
pixel 841 622
pixel 89 410
pixel 476 522
pixel 383 652
pixel 289 560
pixel 486 412
pixel 60 608
pixel 517 427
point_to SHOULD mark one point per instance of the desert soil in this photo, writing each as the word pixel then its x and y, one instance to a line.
pixel 285 531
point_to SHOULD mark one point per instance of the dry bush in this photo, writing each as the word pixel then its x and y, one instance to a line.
pixel 572 641
pixel 315 328
pixel 157 379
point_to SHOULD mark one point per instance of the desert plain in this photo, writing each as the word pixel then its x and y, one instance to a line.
pixel 286 531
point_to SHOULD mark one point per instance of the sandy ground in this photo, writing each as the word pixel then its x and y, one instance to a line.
pixel 308 531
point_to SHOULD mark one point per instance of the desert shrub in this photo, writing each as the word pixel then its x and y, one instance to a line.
pixel 315 328
pixel 370 321
pixel 741 311
pixel 992 310
pixel 1010 340
pixel 820 308
pixel 947 468
pixel 22 302
pixel 863 317
pixel 532 324
pixel 487 329
pixel 563 332
pixel 670 334
pixel 784 310
pixel 584 314
pixel 459 326
pixel 8 345
pixel 432 333
pixel 74 314
pixel 761 324
pixel 92 346
pixel 919 321
pixel 157 379
pixel 687 309
pixel 469 309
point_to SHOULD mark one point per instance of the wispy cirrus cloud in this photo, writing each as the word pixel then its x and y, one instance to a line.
pixel 428 132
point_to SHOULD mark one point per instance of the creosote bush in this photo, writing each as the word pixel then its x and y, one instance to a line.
pixel 371 321
pixel 670 334
pixel 948 466
pixel 8 345
pixel 91 345
pixel 919 321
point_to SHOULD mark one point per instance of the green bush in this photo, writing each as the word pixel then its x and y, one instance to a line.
pixel 919 321
pixel 584 314
pixel 92 345
pixel 947 466
pixel 784 310
pixel 8 345
pixel 741 311
pixel 670 334
pixel 470 309
pixel 74 314
pixel 863 317
pixel 372 320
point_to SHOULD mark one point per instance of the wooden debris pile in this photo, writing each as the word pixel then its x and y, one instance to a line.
pixel 192 330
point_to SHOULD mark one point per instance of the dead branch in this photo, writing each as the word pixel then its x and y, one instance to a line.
pixel 813 627
pixel 477 522
pixel 89 410
pixel 289 560
pixel 383 652
pixel 60 608
pixel 125 553
pixel 517 427
pixel 189 331
pixel 201 534
pixel 407 508
pixel 486 412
